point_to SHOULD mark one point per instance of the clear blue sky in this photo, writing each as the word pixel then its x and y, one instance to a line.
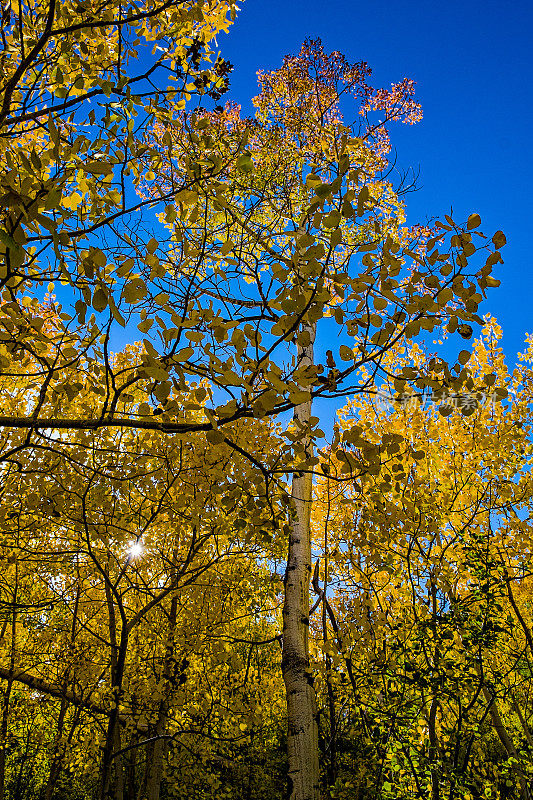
pixel 473 65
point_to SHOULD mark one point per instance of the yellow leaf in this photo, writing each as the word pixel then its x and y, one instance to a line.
pixel 72 201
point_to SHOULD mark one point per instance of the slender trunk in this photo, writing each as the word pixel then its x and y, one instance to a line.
pixel 523 723
pixel 55 769
pixel 19 789
pixel 332 764
pixel 493 711
pixel 506 741
pixel 118 766
pixel 55 766
pixel 59 749
pixel 432 720
pixel 118 661
pixel 7 695
pixel 155 766
pixel 302 736
pixel 110 741
pixel 141 794
pixel 433 749
pixel 3 737
pixel 131 773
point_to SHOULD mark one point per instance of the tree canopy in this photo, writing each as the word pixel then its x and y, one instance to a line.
pixel 215 584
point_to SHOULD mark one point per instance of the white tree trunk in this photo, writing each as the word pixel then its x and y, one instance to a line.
pixel 302 739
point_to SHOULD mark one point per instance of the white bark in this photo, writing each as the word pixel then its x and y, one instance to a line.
pixel 302 740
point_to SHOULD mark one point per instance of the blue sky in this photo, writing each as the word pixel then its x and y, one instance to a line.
pixel 474 72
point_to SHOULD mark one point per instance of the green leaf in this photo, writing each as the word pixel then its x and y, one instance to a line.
pixel 474 221
pixel 214 437
pixel 134 291
pixel 364 196
pixel 312 180
pixel 336 237
pixel 245 163
pixel 184 354
pixel 6 239
pixel 499 239
pixel 298 396
pixel 445 411
pixel 304 338
pixel 116 313
pixel 145 325
pixel 54 133
pixel 323 190
pixel 465 331
pixel 81 310
pixel 98 168
pixel 346 353
pixel 99 302
pixel 332 219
